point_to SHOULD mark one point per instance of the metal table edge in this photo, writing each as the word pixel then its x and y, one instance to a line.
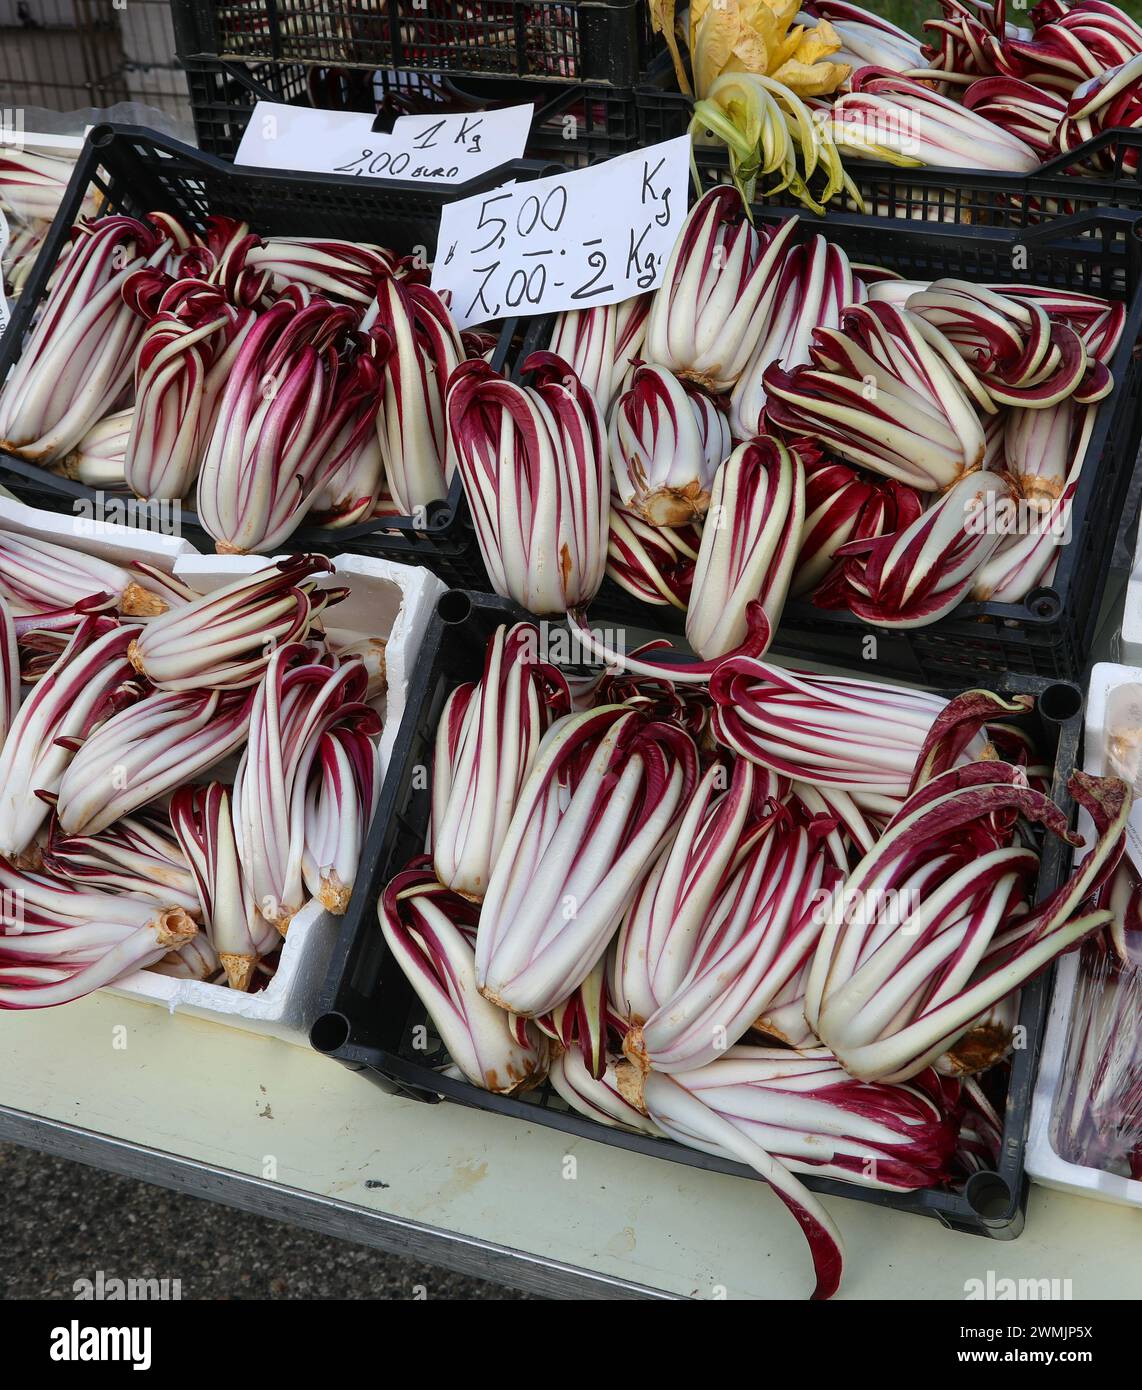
pixel 344 1220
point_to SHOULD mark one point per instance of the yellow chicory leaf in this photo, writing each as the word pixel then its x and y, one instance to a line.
pixel 784 11
pixel 715 26
pixel 755 36
pixel 751 52
pixel 817 80
pixel 662 22
pixel 818 43
pixel 786 50
pixel 828 38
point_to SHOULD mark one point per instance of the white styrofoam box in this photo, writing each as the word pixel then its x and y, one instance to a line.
pixel 43 142
pixel 1044 1163
pixel 386 600
pixel 1131 639
pixel 117 544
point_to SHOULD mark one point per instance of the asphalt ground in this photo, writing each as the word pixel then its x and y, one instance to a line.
pixel 62 1221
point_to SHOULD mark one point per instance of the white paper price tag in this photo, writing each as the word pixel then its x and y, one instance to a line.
pixel 4 314
pixel 431 149
pixel 591 236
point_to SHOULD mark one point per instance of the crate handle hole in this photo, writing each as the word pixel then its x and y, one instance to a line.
pixel 988 1195
pixel 454 607
pixel 329 1032
pixel 1060 701
pixel 1044 603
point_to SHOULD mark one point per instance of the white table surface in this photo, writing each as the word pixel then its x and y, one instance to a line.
pixel 275 1128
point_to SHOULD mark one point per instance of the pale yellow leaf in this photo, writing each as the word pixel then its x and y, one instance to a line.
pixel 817 43
pixel 812 80
pixel 786 49
pixel 713 33
pixel 662 21
pixel 751 53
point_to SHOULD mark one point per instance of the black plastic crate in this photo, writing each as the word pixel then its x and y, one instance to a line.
pixel 546 40
pixel 367 1010
pixel 977 196
pixel 137 172
pixel 573 124
pixel 1050 632
pixel 223 95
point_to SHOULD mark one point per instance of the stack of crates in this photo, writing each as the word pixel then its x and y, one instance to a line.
pixel 579 62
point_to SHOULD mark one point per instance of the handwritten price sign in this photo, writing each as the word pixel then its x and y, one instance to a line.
pixel 432 149
pixel 591 236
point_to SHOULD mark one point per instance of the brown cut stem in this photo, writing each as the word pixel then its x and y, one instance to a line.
pixel 635 1049
pixel 631 1080
pixel 31 858
pixel 239 969
pixel 175 928
pixel 334 894
pixel 673 506
pixel 137 602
